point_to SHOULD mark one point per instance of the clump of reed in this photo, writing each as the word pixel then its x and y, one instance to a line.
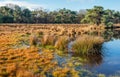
pixel 33 40
pixel 87 44
pixel 39 33
pixel 62 43
pixel 48 40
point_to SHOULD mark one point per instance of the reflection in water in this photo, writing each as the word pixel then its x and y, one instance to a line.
pixel 109 34
pixel 91 60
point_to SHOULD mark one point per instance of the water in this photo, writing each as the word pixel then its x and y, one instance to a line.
pixel 106 62
pixel 110 61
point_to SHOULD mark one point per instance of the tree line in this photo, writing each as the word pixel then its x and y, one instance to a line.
pixel 97 15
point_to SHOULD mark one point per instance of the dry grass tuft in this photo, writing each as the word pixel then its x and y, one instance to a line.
pixel 33 40
pixel 48 40
pixel 62 43
pixel 87 44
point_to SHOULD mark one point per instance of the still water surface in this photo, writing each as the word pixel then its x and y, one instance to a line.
pixel 110 64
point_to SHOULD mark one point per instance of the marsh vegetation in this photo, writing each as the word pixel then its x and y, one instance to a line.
pixel 36 52
pixel 73 51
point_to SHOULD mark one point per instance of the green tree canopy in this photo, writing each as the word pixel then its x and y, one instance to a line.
pixel 97 15
pixel 94 16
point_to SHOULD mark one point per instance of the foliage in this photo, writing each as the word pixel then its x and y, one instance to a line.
pixel 109 24
pixel 98 15
pixel 94 16
pixel 19 15
pixel 1 18
pixel 14 14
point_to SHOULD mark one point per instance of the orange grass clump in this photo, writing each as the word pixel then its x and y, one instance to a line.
pixel 9 40
pixel 65 72
pixel 48 40
pixel 62 43
pixel 28 59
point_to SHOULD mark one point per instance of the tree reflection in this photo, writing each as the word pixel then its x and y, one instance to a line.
pixel 110 34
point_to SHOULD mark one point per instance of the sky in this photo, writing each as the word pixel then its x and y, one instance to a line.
pixel 75 5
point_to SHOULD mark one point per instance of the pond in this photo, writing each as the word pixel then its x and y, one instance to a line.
pixel 110 61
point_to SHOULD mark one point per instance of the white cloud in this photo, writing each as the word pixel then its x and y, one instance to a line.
pixel 26 4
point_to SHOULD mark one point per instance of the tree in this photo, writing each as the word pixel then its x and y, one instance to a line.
pixel 81 14
pixel 6 15
pixel 108 16
pixel 1 18
pixel 5 11
pixel 66 16
pixel 94 16
pixel 116 18
pixel 40 16
pixel 14 14
pixel 17 14
pixel 26 16
pixel 7 19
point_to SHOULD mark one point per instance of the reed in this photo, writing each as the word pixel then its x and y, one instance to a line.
pixel 87 44
pixel 48 40
pixel 33 40
pixel 62 43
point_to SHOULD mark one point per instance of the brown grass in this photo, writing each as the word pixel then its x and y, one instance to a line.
pixel 62 43
pixel 48 40
pixel 87 44
pixel 24 61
